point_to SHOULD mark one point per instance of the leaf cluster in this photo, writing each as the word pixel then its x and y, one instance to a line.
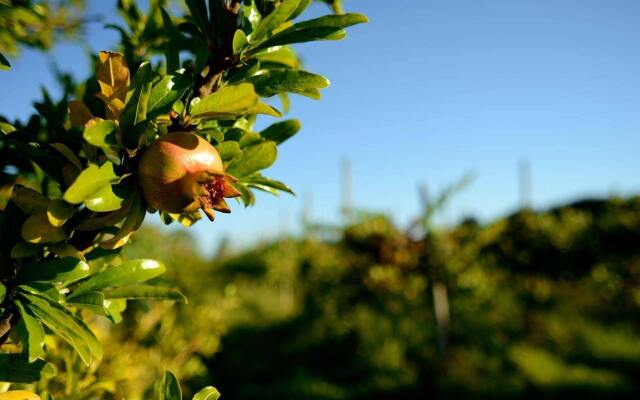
pixel 71 170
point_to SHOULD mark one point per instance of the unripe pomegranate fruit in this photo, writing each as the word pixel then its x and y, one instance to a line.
pixel 182 172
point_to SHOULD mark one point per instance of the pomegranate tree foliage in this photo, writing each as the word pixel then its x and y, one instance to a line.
pixel 71 170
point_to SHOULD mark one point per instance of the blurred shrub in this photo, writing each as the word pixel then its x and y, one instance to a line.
pixel 542 304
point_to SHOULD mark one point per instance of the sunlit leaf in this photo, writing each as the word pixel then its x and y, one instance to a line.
pixel 239 41
pixel 166 92
pixel 132 222
pixel 101 133
pixel 270 82
pixel 115 308
pixel 302 6
pixel 274 19
pixel 6 128
pixel 283 55
pixel 113 77
pixel 63 270
pixel 253 159
pixel 265 109
pixel 267 184
pixel 127 273
pixel 19 395
pixel 227 102
pixel 109 198
pixel 89 182
pixel 330 27
pixel 207 393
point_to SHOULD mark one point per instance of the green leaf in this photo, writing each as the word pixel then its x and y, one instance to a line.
pixel 62 270
pixel 228 150
pixel 283 55
pixel 42 289
pixel 198 10
pixel 66 325
pixel 6 128
pixel 59 212
pixel 229 101
pixel 263 183
pixel 270 82
pixel 253 159
pixel 109 198
pixel 302 6
pixel 134 219
pixel 135 109
pixel 281 131
pixel 38 229
pixel 101 134
pixel 251 15
pixel 68 154
pixel 4 63
pixel 145 292
pixel 249 139
pixel 127 273
pixel 29 201
pixel 239 41
pixel 329 27
pixel 15 368
pixel 278 16
pixel 171 48
pixel 248 199
pixel 166 92
pixel 241 74
pixel 265 109
pixel 24 250
pixel 90 182
pixel 31 333
pixel 115 308
pixel 93 301
pixel 208 393
pixel 212 134
pixel 42 156
pixel 47 396
pixel 170 387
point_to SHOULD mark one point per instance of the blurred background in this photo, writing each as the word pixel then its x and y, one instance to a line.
pixel 466 223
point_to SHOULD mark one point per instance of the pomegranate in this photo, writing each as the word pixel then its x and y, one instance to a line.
pixel 182 172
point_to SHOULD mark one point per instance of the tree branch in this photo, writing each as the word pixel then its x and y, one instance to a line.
pixel 5 324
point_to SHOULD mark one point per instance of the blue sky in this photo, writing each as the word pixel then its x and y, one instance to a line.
pixel 428 91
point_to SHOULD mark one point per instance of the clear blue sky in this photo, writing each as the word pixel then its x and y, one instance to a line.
pixel 429 90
